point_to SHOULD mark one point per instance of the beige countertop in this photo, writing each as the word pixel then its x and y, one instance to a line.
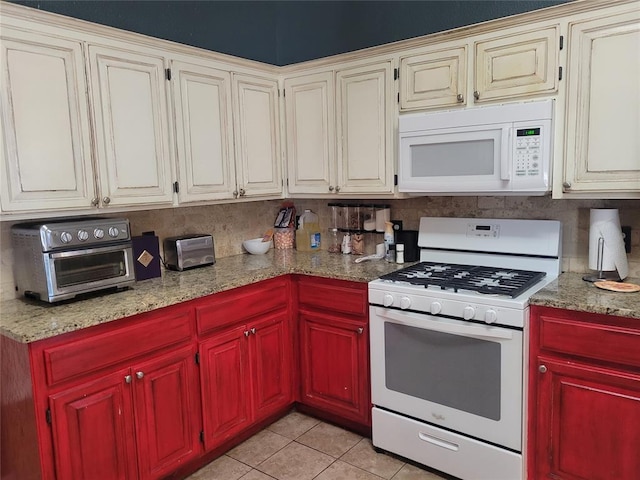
pixel 570 292
pixel 28 320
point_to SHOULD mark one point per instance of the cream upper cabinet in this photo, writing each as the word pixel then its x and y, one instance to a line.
pixel 310 133
pixel 131 127
pixel 257 141
pixel 204 132
pixel 365 103
pixel 602 136
pixel 516 65
pixel 435 78
pixel 46 155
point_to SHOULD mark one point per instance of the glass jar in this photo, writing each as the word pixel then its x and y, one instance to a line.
pixel 333 240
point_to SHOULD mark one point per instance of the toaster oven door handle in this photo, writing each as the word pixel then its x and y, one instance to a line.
pixel 87 251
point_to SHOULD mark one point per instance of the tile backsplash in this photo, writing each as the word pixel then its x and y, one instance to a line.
pixel 230 224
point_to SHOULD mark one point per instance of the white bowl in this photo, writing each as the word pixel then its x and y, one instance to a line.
pixel 256 246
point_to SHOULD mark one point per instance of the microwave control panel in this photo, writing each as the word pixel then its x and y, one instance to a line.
pixel 528 153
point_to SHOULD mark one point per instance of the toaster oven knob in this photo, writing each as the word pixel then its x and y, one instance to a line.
pixel 435 308
pixel 114 232
pixel 490 316
pixel 66 237
pixel 83 235
pixel 468 312
pixel 387 300
pixel 98 233
pixel 405 302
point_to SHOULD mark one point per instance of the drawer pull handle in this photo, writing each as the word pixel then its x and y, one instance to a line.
pixel 127 378
pixel 542 369
pixel 438 442
pixel 139 375
pixel 247 333
pixel 253 330
pixel 360 330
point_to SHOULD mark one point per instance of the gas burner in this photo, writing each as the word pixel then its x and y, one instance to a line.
pixel 449 276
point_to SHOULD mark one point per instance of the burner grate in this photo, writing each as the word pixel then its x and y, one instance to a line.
pixel 449 276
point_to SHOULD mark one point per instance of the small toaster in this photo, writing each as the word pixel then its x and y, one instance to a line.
pixel 188 251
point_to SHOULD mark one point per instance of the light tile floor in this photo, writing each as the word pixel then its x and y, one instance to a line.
pixel 299 447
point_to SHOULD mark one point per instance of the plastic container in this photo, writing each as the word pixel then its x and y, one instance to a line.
pixel 383 215
pixel 308 233
pixel 333 241
pixel 283 238
pixel 399 253
pixel 389 242
pixel 335 215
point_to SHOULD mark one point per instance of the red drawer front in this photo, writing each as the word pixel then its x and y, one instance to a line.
pixel 83 356
pixel 600 342
pixel 333 295
pixel 241 304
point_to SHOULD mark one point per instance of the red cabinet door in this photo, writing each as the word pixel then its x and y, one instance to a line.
pixel 165 396
pixel 334 366
pixel 587 422
pixel 93 429
pixel 224 383
pixel 270 355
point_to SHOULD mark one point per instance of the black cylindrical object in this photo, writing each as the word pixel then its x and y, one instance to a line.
pixel 410 240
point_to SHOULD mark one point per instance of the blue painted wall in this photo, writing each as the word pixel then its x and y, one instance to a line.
pixel 284 32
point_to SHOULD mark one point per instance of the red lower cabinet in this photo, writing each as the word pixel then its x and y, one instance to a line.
pixel 584 396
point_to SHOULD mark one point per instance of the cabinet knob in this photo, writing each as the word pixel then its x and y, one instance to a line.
pixel 360 330
pixel 139 375
pixel 127 378
pixel 566 185
pixel 106 200
pixel 476 95
pixel 542 369
pixel 247 333
pixel 242 192
pixel 95 201
pixel 331 188
pixel 337 189
pixel 235 194
pixel 460 98
pixel 253 330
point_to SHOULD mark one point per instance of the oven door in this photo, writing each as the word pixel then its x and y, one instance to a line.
pixel 81 271
pixel 462 376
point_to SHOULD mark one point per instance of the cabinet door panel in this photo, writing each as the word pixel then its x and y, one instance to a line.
pixel 224 384
pixel 93 430
pixel 46 154
pixel 309 103
pixel 166 426
pixel 589 427
pixel 129 97
pixel 257 128
pixel 365 144
pixel 202 101
pixel 271 365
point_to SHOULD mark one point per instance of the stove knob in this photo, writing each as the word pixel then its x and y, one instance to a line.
pixel 83 235
pixel 468 312
pixel 66 237
pixel 405 302
pixel 98 233
pixel 387 300
pixel 435 308
pixel 114 232
pixel 490 316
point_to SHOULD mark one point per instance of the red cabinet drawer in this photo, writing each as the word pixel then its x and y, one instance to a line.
pixel 334 295
pixel 241 304
pixel 151 332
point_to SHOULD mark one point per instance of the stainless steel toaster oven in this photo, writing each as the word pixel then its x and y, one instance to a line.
pixel 60 259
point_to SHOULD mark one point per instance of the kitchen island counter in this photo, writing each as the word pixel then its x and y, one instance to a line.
pixel 570 292
pixel 28 321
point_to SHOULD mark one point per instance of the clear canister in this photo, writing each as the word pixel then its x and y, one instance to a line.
pixel 335 215
pixel 333 240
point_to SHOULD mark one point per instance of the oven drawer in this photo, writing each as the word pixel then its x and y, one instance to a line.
pixel 443 450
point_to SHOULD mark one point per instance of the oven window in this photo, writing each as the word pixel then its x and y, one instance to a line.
pixel 89 268
pixel 452 370
pixel 462 158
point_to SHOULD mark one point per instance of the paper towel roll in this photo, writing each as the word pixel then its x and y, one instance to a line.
pixel 605 224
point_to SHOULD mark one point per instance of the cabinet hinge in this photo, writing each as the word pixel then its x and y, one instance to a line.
pixel 396 73
pixel 168 74
pixel 561 42
pixel 559 73
pixel 176 187
pixel 197 358
pixel 48 415
pixel 395 179
pixel 202 436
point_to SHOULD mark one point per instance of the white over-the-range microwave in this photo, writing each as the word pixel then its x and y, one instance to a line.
pixel 497 150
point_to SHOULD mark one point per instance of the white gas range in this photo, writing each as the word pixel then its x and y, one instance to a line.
pixel 447 344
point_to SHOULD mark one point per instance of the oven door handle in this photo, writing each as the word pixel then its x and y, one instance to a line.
pixel 466 329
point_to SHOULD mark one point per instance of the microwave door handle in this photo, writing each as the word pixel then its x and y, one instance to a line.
pixel 506 154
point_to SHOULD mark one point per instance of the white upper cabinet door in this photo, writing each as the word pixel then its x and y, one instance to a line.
pixel 132 135
pixel 310 113
pixel 204 132
pixel 46 156
pixel 517 65
pixel 257 141
pixel 603 107
pixel 365 118
pixel 435 78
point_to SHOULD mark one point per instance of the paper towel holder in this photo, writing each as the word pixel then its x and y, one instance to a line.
pixel 600 274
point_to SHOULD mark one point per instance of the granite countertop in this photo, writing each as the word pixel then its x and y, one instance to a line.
pixel 570 292
pixel 29 320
